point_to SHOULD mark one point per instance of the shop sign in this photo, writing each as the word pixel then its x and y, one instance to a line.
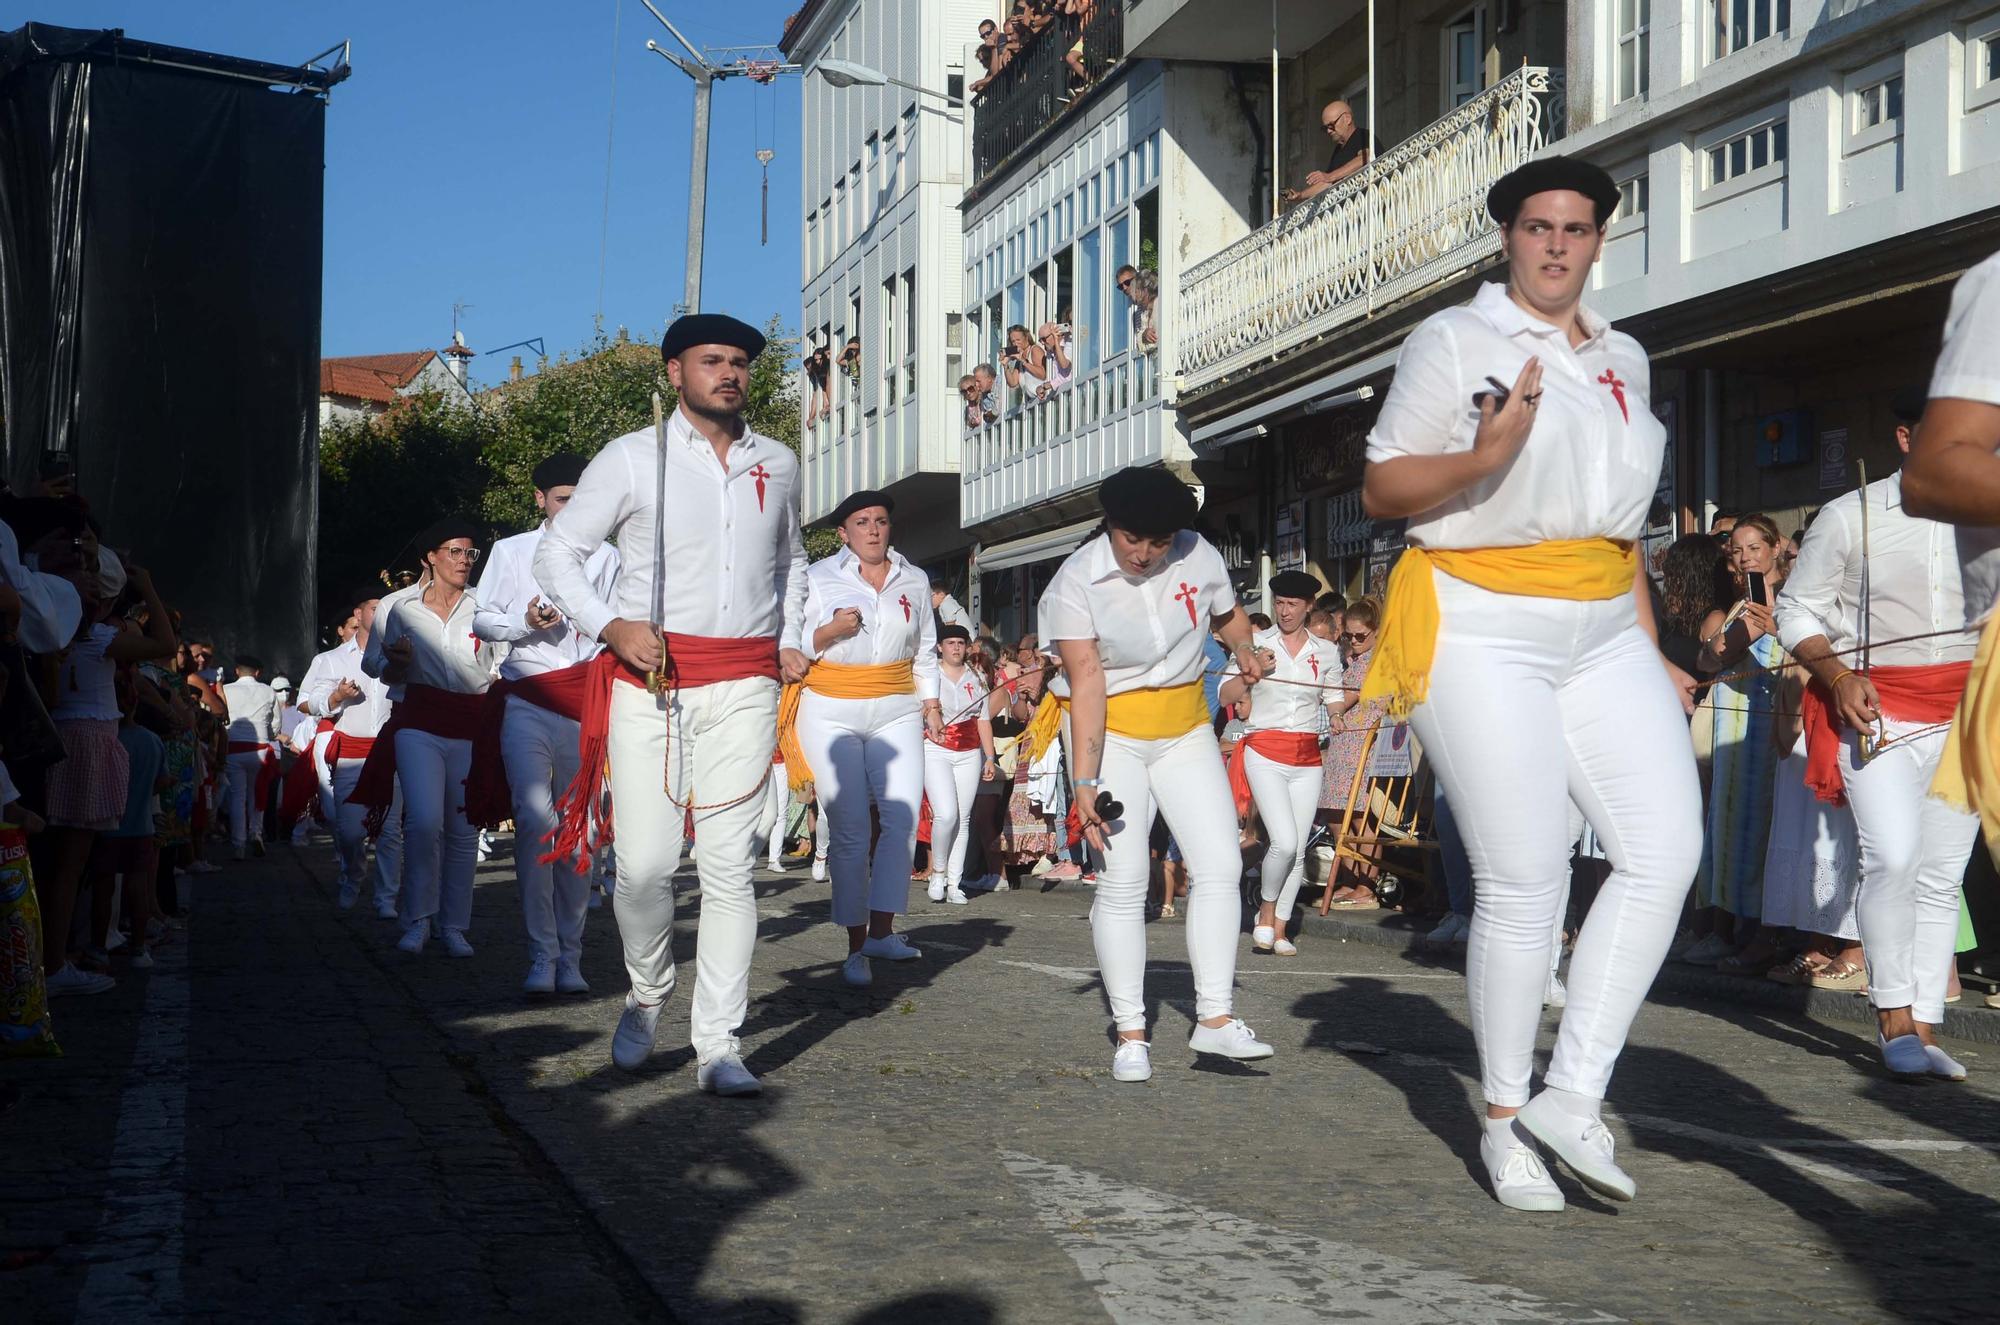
pixel 1290 552
pixel 1347 526
pixel 1333 453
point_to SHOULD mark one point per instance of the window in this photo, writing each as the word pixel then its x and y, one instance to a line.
pixel 910 331
pixel 1633 196
pixel 1982 67
pixel 1090 278
pixel 1635 21
pixel 1464 57
pixel 872 154
pixel 1736 157
pixel 1735 24
pixel 954 349
pixel 1878 103
pixel 857 199
pixel 892 354
pixel 1120 321
pixel 839 215
pixel 892 162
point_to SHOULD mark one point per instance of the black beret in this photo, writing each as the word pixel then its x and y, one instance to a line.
pixel 1294 584
pixel 710 329
pixel 1550 174
pixel 561 470
pixel 955 632
pixel 1148 502
pixel 437 534
pixel 1908 403
pixel 861 501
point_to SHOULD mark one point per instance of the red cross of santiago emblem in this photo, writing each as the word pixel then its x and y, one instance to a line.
pixel 1312 661
pixel 762 475
pixel 1610 379
pixel 1186 596
pixel 904 601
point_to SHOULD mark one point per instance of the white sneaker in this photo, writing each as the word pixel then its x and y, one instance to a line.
pixel 143 959
pixel 1232 1040
pixel 726 1076
pixel 569 980
pixel 1043 866
pixel 1584 1144
pixel 485 849
pixel 819 869
pixel 956 896
pixel 632 1042
pixel 936 891
pixel 996 883
pixel 1555 996
pixel 541 976
pixel 1262 937
pixel 74 980
pixel 777 865
pixel 349 894
pixel 455 944
pixel 415 937
pixel 385 910
pixel 855 970
pixel 894 948
pixel 1285 948
pixel 1133 1061
pixel 1942 1063
pixel 1520 1180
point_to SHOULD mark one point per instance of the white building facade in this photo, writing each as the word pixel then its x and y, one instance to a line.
pixel 882 176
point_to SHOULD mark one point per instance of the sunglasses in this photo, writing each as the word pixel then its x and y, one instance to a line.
pixel 1125 284
pixel 1356 637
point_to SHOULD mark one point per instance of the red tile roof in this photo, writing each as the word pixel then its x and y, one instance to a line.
pixel 376 377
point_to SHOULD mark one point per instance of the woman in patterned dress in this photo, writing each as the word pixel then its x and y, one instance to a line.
pixel 1352 720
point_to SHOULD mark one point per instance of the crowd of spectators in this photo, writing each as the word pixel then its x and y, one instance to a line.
pixel 1028 24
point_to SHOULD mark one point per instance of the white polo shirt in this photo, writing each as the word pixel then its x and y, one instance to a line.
pixel 1592 461
pixel 964 697
pixel 1149 631
pixel 447 654
pixel 508 585
pixel 1294 703
pixel 896 622
pixel 1968 368
pixel 1913 583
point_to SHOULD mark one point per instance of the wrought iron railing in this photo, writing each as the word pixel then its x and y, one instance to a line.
pixel 1412 218
pixel 1038 85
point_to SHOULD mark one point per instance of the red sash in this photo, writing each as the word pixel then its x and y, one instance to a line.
pixel 1909 694
pixel 489 800
pixel 302 783
pixel 1299 749
pixel 583 822
pixel 343 746
pixel 450 714
pixel 960 736
pixel 267 769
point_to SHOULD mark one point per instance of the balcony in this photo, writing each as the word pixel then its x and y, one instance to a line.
pixel 1038 87
pixel 1038 450
pixel 1410 221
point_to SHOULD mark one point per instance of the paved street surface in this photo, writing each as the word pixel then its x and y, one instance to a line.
pixel 288 1120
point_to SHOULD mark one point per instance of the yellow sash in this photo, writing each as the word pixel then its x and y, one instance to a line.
pixel 835 681
pixel 1581 570
pixel 1158 713
pixel 1968 775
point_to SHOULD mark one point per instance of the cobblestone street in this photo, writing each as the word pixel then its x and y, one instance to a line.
pixel 288 1120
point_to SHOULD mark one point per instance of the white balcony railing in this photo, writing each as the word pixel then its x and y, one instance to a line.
pixel 1414 217
pixel 1039 449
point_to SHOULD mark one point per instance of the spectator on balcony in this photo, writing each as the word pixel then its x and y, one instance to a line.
pixel 1058 348
pixel 1012 38
pixel 977 389
pixel 1023 359
pixel 819 369
pixel 1352 149
pixel 849 361
pixel 1080 13
pixel 1142 289
pixel 988 52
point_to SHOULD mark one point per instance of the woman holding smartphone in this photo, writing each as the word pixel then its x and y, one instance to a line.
pixel 1513 638
pixel 1739 645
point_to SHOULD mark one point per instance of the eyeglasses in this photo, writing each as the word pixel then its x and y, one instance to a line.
pixel 468 555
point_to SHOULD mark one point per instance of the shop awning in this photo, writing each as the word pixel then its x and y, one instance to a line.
pixel 1033 547
pixel 1339 380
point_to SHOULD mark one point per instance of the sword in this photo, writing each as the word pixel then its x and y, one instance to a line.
pixel 656 680
pixel 1870 742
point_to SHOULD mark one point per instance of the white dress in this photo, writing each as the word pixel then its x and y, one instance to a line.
pixel 1813 863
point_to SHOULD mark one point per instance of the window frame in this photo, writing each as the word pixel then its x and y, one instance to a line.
pixel 1982 36
pixel 1623 222
pixel 1708 190
pixel 1855 137
pixel 1473 19
pixel 1715 36
pixel 1640 37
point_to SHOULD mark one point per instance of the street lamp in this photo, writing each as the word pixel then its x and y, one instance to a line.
pixel 846 73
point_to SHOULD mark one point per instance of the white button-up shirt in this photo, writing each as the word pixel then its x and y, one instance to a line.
pixel 508 586
pixel 1968 368
pixel 1592 462
pixel 51 610
pixel 896 622
pixel 252 707
pixel 362 717
pixel 963 697
pixel 1294 704
pixel 735 560
pixel 1149 631
pixel 1913 583
pixel 447 654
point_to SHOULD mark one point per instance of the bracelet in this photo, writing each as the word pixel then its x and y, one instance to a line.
pixel 1834 684
pixel 1086 782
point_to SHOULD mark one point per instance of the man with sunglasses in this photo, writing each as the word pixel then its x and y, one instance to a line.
pixel 1351 151
pixel 1143 296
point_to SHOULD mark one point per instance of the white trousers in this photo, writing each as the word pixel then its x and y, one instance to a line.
pixel 1913 854
pixel 539 748
pixel 329 806
pixel 863 751
pixel 350 835
pixel 1185 780
pixel 1287 800
pixel 721 738
pixel 239 797
pixel 439 844
pixel 951 781
pixel 1535 702
pixel 771 828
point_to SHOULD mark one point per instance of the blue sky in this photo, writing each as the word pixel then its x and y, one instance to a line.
pixel 465 161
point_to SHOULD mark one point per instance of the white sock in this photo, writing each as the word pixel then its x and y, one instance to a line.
pixel 1500 1131
pixel 1573 1104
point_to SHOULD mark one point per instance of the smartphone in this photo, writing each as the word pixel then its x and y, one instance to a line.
pixel 57 464
pixel 1754 582
pixel 1498 394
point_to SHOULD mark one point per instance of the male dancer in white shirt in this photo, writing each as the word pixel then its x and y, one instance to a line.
pixel 714 507
pixel 253 707
pixel 519 769
pixel 359 706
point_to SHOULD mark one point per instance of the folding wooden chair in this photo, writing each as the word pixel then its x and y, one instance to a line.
pixel 1385 813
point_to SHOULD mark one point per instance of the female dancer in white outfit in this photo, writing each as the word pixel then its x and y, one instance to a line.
pixel 1129 613
pixel 956 761
pixel 1277 763
pixel 1546 683
pixel 866 705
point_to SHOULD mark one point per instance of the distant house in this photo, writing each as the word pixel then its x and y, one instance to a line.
pixel 363 385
